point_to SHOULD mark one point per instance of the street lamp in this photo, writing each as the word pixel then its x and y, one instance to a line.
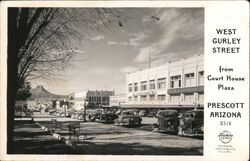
pixel 84 110
pixel 65 107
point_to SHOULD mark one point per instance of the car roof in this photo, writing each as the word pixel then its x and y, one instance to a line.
pixel 167 111
pixel 195 111
pixel 128 111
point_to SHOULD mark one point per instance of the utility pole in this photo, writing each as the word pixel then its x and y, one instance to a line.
pixel 149 57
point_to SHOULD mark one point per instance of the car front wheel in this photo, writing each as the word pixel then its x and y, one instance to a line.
pixel 131 123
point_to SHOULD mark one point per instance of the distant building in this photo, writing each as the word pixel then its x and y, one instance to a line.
pixel 117 100
pixel 91 99
pixel 178 84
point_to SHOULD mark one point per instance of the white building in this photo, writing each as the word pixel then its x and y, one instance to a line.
pixel 117 100
pixel 91 99
pixel 173 85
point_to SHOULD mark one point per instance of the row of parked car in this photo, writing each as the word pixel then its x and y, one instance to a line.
pixel 168 121
pixel 182 123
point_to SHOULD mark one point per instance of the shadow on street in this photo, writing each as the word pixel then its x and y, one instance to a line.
pixel 29 138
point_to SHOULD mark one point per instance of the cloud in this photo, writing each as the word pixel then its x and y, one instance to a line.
pixel 137 38
pixel 98 70
pixel 78 51
pixel 97 38
pixel 179 33
pixel 117 43
pixel 142 56
pixel 112 43
pixel 128 69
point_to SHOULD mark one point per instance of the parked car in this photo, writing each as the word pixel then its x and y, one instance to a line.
pixel 167 122
pixel 152 114
pixel 91 114
pixel 52 111
pixel 107 117
pixel 128 118
pixel 71 112
pixel 192 123
pixel 78 115
pixel 143 113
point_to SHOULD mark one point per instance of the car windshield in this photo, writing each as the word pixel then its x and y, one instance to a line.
pixel 167 113
pixel 195 114
pixel 127 113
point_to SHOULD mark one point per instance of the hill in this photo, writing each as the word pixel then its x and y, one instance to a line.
pixel 41 92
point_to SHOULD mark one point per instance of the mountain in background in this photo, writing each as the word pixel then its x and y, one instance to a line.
pixel 40 92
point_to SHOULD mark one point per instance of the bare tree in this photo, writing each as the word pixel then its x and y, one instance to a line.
pixel 41 42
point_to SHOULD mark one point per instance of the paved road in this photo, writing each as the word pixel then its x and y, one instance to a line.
pixel 110 139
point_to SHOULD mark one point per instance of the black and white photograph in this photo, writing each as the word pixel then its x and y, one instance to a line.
pixel 105 80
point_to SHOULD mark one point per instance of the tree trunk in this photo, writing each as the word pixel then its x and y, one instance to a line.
pixel 12 71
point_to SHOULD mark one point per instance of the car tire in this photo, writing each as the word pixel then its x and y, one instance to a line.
pixel 131 123
pixel 139 123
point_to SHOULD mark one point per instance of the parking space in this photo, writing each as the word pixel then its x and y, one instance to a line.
pixel 111 139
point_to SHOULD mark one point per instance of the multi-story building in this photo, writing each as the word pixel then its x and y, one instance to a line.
pixel 91 99
pixel 117 100
pixel 177 84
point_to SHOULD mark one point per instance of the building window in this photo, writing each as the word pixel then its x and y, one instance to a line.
pixel 130 87
pixel 136 86
pixel 152 84
pixel 144 98
pixel 201 78
pixel 175 81
pixel 161 97
pixel 135 98
pixel 151 97
pixel 188 97
pixel 129 98
pixel 144 86
pixel 201 97
pixel 175 98
pixel 189 80
pixel 162 83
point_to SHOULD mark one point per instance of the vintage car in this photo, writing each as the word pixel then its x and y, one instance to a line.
pixel 192 123
pixel 106 117
pixel 167 122
pixel 128 118
pixel 92 113
pixel 143 113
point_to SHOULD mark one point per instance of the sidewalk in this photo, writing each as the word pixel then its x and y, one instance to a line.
pixel 29 138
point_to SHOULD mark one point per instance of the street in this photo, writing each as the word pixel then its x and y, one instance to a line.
pixel 116 140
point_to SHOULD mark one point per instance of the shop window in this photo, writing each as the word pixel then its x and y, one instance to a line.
pixel 144 86
pixel 161 97
pixel 201 78
pixel 135 87
pixel 175 81
pixel 188 97
pixel 135 98
pixel 151 97
pixel 144 98
pixel 175 98
pixel 129 98
pixel 162 83
pixel 130 87
pixel 152 84
pixel 189 80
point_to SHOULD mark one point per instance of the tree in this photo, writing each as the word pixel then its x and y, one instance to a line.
pixel 41 42
pixel 23 93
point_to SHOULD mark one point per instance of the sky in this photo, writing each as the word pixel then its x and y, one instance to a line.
pixel 104 57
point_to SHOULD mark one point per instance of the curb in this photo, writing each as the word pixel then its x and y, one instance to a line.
pixel 58 137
